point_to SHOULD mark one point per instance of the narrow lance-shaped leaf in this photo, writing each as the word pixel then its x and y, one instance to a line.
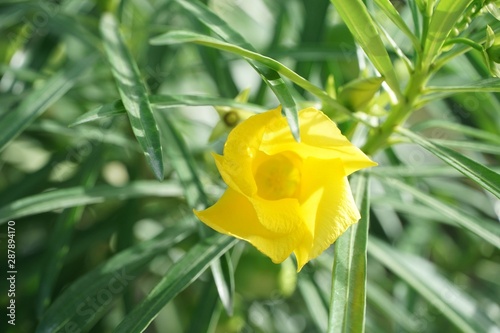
pixel 457 306
pixel 60 237
pixel 179 36
pixel 485 177
pixel 15 121
pixel 87 299
pixel 133 93
pixel 78 196
pixel 271 77
pixel 487 230
pixel 348 297
pixel 363 28
pixel 163 102
pixel 396 18
pixel 185 167
pixel 445 16
pixel 178 277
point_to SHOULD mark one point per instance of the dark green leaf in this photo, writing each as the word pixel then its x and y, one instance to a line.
pixel 179 276
pixel 87 299
pixel 78 196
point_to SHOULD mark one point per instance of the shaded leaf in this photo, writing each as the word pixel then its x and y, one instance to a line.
pixel 78 196
pixel 178 277
pixel 83 302
pixel 14 122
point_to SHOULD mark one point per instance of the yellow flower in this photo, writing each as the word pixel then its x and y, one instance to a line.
pixel 286 197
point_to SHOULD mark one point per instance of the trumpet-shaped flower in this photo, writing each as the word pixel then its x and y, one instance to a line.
pixel 285 196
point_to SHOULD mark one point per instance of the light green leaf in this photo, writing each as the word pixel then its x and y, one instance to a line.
pixel 469 145
pixel 386 303
pixel 178 277
pixel 445 16
pixel 391 12
pixel 178 36
pixel 271 77
pixel 358 93
pixel 485 85
pixel 14 122
pixel 115 108
pixel 483 228
pixel 86 300
pixel 133 93
pixel 485 177
pixel 458 307
pixel 311 295
pixel 363 28
pixel 463 129
pixel 78 196
pixel 348 297
pixel 163 102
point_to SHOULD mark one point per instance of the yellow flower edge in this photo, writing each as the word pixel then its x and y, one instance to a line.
pixel 283 196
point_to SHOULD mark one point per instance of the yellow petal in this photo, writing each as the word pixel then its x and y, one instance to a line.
pixel 320 138
pixel 234 215
pixel 280 216
pixel 241 148
pixel 328 205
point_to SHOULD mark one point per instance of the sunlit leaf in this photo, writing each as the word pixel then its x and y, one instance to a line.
pixel 133 93
pixel 348 297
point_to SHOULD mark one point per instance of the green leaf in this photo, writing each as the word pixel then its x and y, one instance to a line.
pixel 271 77
pixel 485 177
pixel 469 145
pixel 38 101
pixel 348 297
pixel 115 108
pixel 314 303
pixel 358 93
pixel 390 307
pixel 391 12
pixel 445 16
pixel 463 129
pixel 86 300
pixel 483 228
pixel 178 277
pixel 60 236
pixel 160 102
pixel 78 196
pixel 133 93
pixel 363 28
pixel 458 307
pixel 185 167
pixel 485 85
pixel 178 36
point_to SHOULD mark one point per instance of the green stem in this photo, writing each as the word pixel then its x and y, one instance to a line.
pixel 378 138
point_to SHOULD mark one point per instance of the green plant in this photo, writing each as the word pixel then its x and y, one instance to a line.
pixel 106 110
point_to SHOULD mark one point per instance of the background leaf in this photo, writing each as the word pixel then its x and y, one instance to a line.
pixel 133 93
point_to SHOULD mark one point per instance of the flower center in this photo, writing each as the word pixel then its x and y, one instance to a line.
pixel 278 176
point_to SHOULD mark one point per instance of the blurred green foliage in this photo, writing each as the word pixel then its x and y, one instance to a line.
pixel 102 246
